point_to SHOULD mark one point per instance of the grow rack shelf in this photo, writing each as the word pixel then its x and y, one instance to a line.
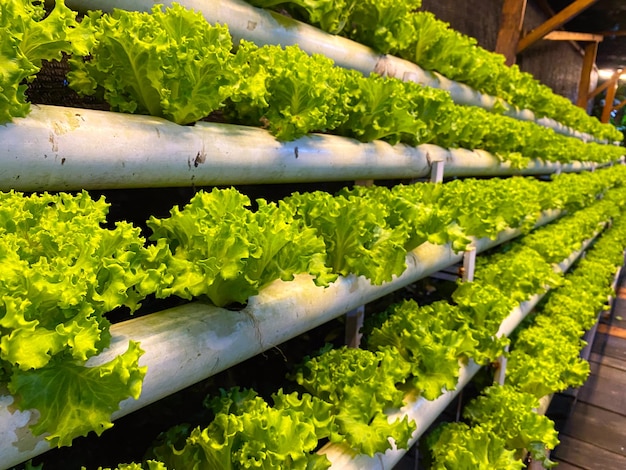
pixel 56 146
pixel 59 148
pixel 209 340
pixel 424 412
pixel 265 27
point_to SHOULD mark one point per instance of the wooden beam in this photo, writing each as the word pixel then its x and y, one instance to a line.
pixel 610 96
pixel 549 12
pixel 619 106
pixel 617 33
pixel 553 23
pixel 589 59
pixel 511 22
pixel 572 36
pixel 599 89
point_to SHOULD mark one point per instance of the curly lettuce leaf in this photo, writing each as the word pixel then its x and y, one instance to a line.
pixel 385 25
pixel 329 15
pixel 558 241
pixel 381 108
pixel 169 63
pixel 545 361
pixel 419 206
pixel 315 410
pixel 216 246
pixel 370 434
pixel 253 436
pixel 360 385
pixel 73 399
pixel 456 446
pixel 419 336
pixel 27 37
pixel 34 346
pixel 304 93
pixel 63 271
pixel 355 233
pixel 481 309
pixel 511 415
pixel 518 273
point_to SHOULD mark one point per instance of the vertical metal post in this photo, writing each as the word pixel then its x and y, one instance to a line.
pixel 501 371
pixel 469 264
pixel 559 168
pixel 354 322
pixel 436 172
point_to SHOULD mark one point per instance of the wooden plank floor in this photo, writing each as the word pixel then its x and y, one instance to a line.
pixel 592 425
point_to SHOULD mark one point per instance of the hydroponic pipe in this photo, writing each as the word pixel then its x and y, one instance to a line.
pixel 266 27
pixel 70 148
pixel 465 163
pixel 57 148
pixel 187 344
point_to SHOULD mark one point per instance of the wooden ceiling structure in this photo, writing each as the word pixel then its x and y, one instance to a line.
pixel 597 27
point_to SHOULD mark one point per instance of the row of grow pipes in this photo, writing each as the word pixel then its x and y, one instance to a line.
pixel 424 412
pixel 265 27
pixel 53 148
pixel 585 353
pixel 189 343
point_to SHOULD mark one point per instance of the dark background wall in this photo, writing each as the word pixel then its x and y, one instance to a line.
pixel 557 64
pixel 477 18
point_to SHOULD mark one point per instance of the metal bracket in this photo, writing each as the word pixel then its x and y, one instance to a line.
pixel 436 171
pixel 469 264
pixel 366 183
pixel 500 374
pixel 464 270
pixel 354 322
pixel 559 168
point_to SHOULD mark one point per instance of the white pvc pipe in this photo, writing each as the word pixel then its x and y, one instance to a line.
pixel 57 148
pixel 461 94
pixel 187 344
pixel 266 27
pixel 463 162
pixel 70 148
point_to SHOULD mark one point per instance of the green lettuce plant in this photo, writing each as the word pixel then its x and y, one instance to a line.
pixel 216 246
pixel 169 63
pixel 62 271
pixel 28 36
